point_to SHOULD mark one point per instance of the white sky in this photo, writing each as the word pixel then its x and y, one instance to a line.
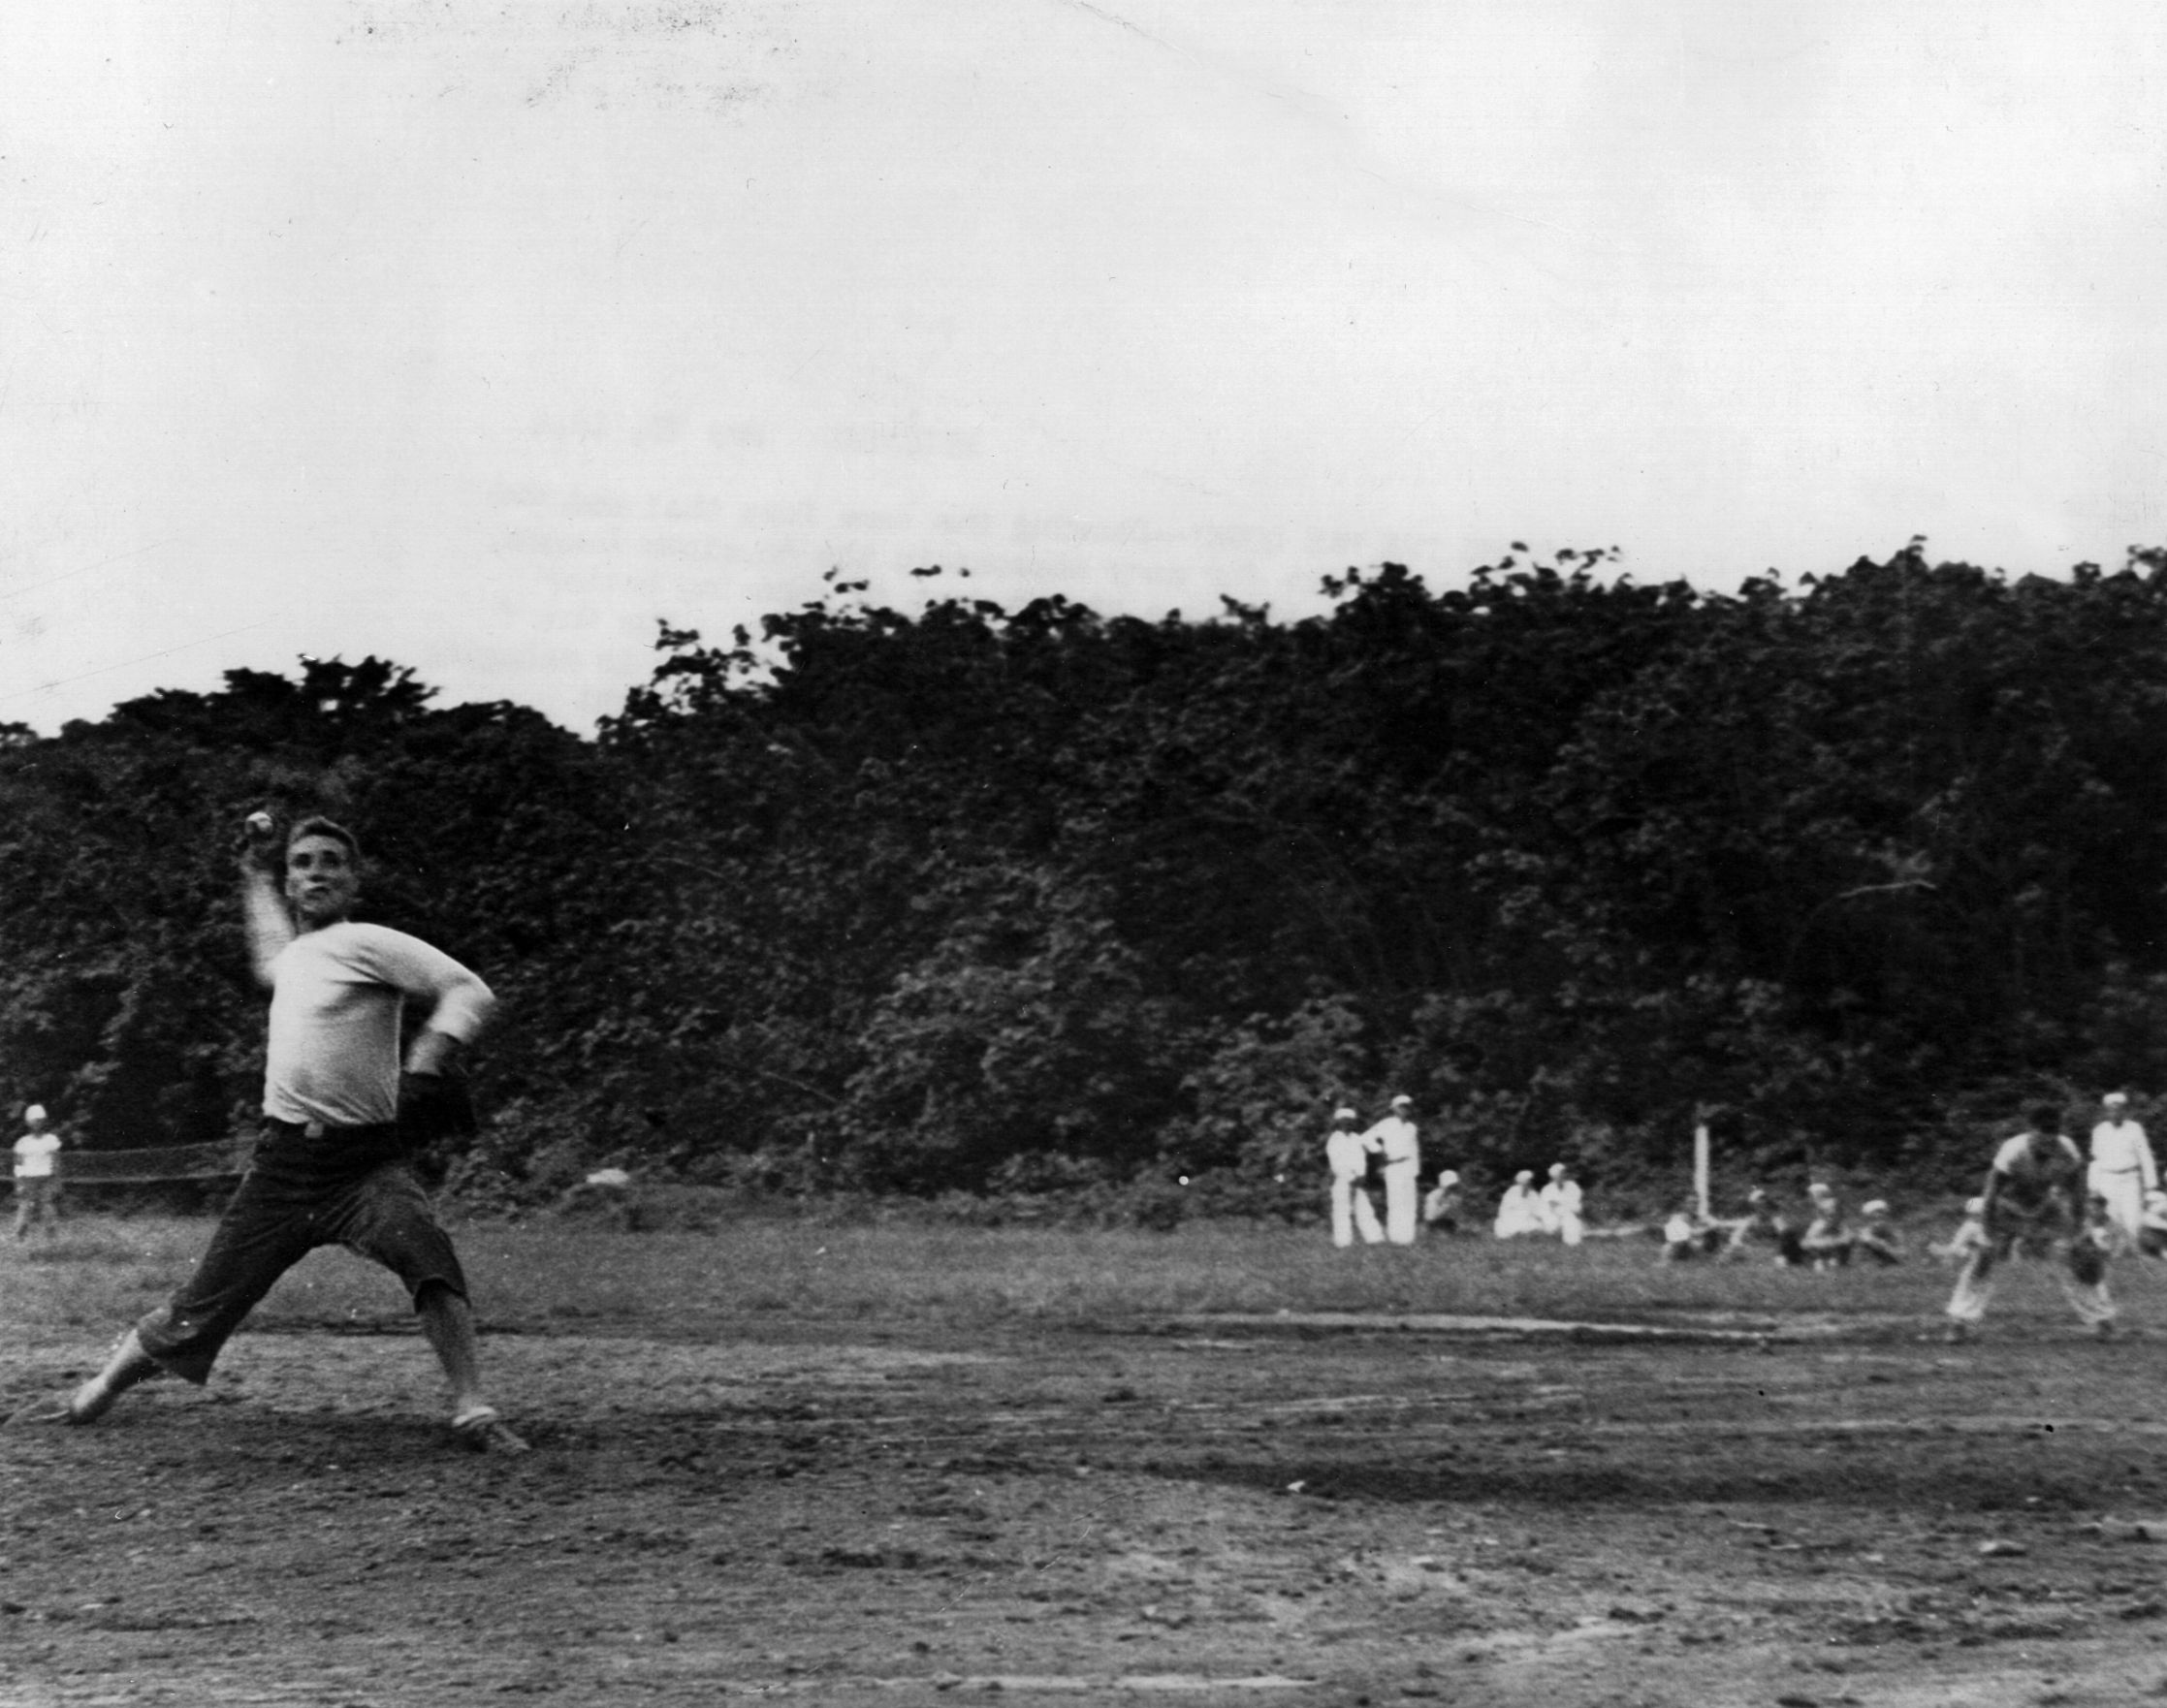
pixel 480 337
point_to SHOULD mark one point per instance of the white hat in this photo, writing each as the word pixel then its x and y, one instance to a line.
pixel 1975 1206
pixel 35 1112
pixel 1523 1177
pixel 1447 1177
pixel 1345 1115
pixel 1820 1189
pixel 1877 1207
pixel 1557 1168
pixel 2115 1098
pixel 1403 1098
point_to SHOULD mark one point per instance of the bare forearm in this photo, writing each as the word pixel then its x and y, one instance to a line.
pixel 265 919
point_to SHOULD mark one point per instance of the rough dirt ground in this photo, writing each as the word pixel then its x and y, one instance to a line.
pixel 1189 1510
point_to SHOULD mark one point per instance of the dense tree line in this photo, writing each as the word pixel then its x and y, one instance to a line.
pixel 1021 899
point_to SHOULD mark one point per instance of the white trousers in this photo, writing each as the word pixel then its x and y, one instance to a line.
pixel 2124 1191
pixel 1401 1179
pixel 1352 1211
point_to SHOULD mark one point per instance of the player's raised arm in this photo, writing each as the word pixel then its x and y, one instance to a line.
pixel 269 925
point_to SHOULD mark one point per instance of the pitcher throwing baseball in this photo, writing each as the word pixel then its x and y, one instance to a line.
pixel 340 1122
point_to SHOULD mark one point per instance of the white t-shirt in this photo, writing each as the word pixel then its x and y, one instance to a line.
pixel 336 995
pixel 1347 1152
pixel 34 1155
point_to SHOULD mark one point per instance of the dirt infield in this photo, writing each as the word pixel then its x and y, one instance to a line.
pixel 1261 1510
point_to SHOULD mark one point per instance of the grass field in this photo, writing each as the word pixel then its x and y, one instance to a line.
pixel 531 1274
pixel 885 1461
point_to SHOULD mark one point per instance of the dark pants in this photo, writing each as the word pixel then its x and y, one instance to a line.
pixel 348 1188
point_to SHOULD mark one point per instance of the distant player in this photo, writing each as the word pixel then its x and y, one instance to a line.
pixel 1347 1154
pixel 1398 1144
pixel 2122 1169
pixel 2036 1196
pixel 36 1174
pixel 341 1121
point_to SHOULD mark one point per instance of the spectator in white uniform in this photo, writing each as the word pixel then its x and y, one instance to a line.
pixel 1521 1210
pixel 1347 1152
pixel 1399 1145
pixel 1560 1206
pixel 2123 1170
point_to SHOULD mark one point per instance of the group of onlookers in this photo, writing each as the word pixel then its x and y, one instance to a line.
pixel 2043 1194
pixel 1824 1238
pixel 1388 1153
pixel 1391 1148
pixel 1550 1211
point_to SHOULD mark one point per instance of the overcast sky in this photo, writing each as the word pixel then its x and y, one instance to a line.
pixel 481 338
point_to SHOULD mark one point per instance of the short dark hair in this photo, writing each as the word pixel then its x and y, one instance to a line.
pixel 316 825
pixel 2046 1118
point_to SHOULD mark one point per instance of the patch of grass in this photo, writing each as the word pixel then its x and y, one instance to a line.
pixel 543 1276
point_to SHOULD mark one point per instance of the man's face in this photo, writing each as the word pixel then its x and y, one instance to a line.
pixel 321 880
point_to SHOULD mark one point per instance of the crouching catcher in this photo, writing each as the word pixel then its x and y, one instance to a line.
pixel 2034 1200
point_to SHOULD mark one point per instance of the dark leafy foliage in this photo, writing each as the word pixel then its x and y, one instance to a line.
pixel 1047 900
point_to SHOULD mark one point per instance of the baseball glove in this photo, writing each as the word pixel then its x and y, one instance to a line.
pixel 2088 1263
pixel 433 1107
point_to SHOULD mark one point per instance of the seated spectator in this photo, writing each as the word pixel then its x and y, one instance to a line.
pixel 1826 1241
pixel 1520 1211
pixel 1441 1209
pixel 1877 1237
pixel 1688 1236
pixel 1766 1228
pixel 2151 1227
pixel 1560 1204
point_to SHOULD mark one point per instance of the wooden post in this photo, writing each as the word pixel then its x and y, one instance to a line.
pixel 1701 1168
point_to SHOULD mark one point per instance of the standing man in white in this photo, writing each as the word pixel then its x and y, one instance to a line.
pixel 2123 1170
pixel 1347 1152
pixel 1397 1141
pixel 36 1174
pixel 341 1121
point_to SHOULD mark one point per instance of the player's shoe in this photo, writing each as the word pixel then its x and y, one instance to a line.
pixel 59 1407
pixel 1957 1333
pixel 484 1430
pixel 2103 1331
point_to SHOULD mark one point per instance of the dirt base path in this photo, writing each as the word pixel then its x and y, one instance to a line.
pixel 1292 1515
